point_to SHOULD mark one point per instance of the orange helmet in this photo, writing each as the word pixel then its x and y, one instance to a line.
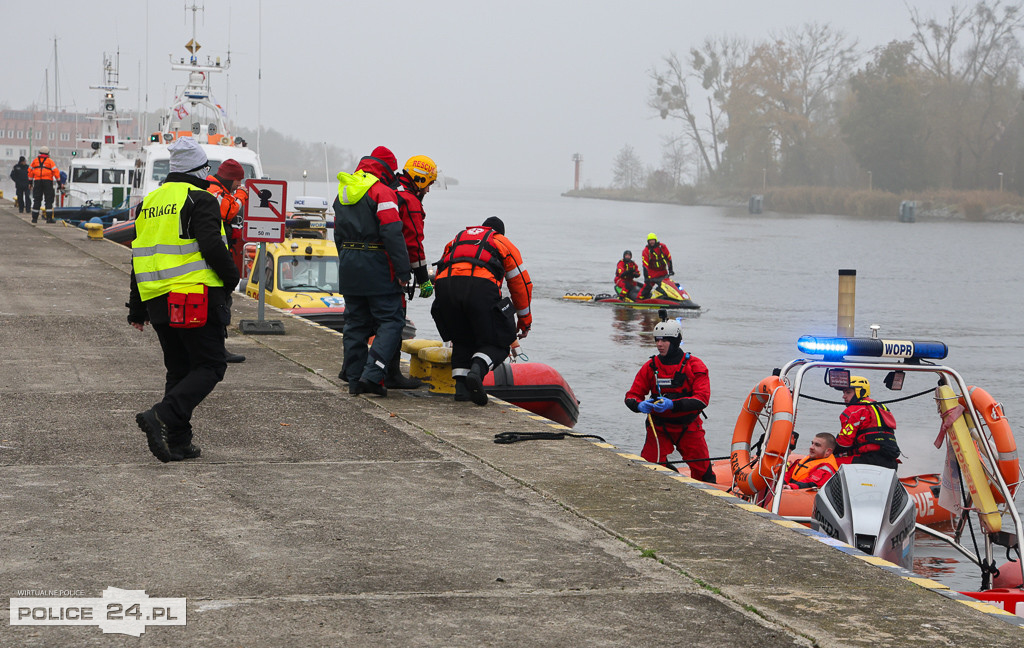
pixel 422 170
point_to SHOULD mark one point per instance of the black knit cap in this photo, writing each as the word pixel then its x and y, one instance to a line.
pixel 495 224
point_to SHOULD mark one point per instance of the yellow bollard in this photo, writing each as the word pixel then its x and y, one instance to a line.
pixel 439 362
pixel 95 231
pixel 417 367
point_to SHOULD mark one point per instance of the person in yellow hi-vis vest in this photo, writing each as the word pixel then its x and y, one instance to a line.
pixel 181 283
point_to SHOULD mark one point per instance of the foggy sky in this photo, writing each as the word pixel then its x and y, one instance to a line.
pixel 496 93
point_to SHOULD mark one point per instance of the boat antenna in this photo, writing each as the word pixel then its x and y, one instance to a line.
pixel 327 168
pixel 259 78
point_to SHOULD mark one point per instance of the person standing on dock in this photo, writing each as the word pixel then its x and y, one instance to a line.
pixel 22 193
pixel 672 389
pixel 626 274
pixel 411 187
pixel 657 264
pixel 868 432
pixel 469 310
pixel 43 173
pixel 373 269
pixel 181 282
pixel 226 187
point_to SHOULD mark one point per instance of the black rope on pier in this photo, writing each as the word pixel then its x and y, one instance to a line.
pixel 513 437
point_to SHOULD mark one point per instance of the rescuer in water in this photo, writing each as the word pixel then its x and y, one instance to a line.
pixel 657 264
pixel 626 273
pixel 672 389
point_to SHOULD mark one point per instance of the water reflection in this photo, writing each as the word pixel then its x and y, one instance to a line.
pixel 629 323
pixel 631 326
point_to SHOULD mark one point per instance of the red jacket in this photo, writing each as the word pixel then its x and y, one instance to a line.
pixel 684 379
pixel 867 426
pixel 625 274
pixel 657 262
pixel 410 208
pixel 479 251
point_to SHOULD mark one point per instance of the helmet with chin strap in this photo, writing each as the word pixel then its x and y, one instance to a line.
pixel 422 171
pixel 861 387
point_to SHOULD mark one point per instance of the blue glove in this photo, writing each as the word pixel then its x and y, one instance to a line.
pixel 646 407
pixel 662 405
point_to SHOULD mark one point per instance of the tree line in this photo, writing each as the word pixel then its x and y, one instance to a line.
pixel 941 108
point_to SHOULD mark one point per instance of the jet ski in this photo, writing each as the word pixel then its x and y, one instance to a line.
pixel 667 294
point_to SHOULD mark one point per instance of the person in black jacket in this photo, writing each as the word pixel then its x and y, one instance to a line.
pixel 179 248
pixel 22 187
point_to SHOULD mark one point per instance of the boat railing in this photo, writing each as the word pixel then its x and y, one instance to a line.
pixel 979 431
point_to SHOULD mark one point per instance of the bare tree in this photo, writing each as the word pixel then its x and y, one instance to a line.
pixel 675 158
pixel 627 169
pixel 972 57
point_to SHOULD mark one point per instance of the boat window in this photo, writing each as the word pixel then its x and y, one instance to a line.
pixel 85 174
pixel 160 169
pixel 299 273
pixel 113 176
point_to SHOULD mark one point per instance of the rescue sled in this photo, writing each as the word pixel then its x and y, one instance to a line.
pixel 667 294
pixel 536 387
pixel 866 506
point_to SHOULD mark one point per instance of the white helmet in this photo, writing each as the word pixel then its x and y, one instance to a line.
pixel 669 329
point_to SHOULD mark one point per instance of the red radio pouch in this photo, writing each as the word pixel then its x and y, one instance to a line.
pixel 188 309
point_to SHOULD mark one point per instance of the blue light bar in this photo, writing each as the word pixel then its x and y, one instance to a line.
pixel 838 347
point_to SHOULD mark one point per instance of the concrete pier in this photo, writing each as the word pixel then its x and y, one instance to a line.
pixel 314 518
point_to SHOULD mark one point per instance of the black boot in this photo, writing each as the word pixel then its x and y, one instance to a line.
pixel 475 382
pixel 461 393
pixel 395 379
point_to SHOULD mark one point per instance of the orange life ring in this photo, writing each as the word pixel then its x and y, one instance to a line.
pixel 1002 435
pixel 750 477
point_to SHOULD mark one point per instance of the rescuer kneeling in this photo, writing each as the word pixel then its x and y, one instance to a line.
pixel 679 390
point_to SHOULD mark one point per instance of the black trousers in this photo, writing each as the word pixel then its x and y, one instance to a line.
pixel 42 189
pixel 24 196
pixel 194 359
pixel 467 313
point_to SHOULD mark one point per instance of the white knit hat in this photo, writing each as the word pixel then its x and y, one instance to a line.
pixel 186 155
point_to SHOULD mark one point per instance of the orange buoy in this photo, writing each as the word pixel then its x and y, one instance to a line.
pixel 750 477
pixel 1006 447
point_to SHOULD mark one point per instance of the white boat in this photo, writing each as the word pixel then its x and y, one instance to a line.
pixel 104 178
pixel 195 113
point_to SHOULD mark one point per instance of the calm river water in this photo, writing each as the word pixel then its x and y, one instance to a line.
pixel 762 282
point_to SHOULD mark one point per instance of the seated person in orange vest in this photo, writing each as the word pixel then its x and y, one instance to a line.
pixel 657 264
pixel 868 433
pixel 626 274
pixel 817 467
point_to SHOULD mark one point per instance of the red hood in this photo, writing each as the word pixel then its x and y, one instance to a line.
pixel 377 168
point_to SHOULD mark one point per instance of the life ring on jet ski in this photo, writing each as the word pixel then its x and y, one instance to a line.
pixel 750 476
pixel 1002 436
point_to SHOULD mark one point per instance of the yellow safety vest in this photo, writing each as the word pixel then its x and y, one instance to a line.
pixel 162 260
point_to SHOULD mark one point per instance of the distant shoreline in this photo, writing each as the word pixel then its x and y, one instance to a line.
pixel 979 206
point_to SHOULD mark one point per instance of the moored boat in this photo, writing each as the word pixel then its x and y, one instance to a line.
pixel 194 113
pixel 863 505
pixel 102 181
pixel 536 387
